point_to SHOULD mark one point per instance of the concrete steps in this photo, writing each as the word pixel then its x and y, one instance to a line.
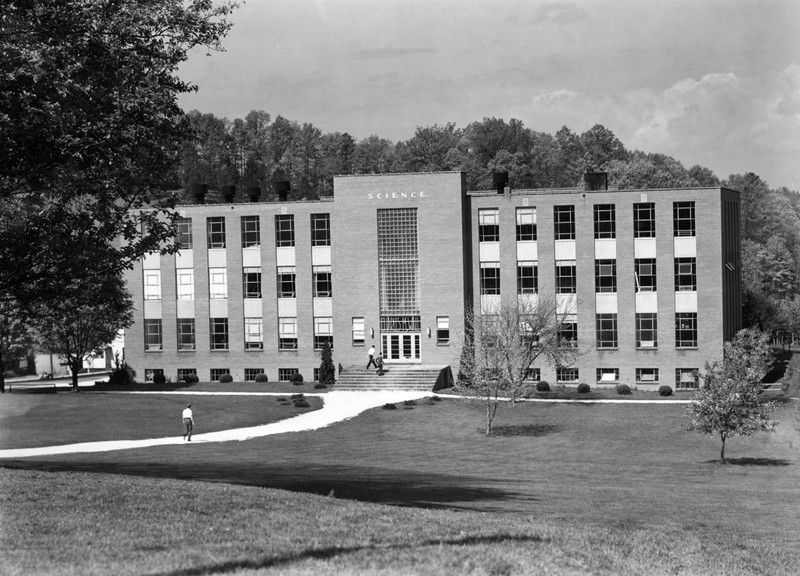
pixel 395 377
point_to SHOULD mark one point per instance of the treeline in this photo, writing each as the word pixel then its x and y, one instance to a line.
pixel 261 151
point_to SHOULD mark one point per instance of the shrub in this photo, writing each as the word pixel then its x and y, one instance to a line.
pixel 261 377
pixel 543 386
pixel 159 378
pixel 389 407
pixel 225 379
pixel 623 389
pixel 122 376
pixel 319 385
pixel 299 401
pixel 664 390
pixel 296 379
pixel 191 379
pixel 583 388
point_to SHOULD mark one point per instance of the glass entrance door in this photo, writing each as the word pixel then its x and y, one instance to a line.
pixel 403 347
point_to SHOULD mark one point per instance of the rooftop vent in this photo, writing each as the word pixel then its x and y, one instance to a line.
pixel 229 192
pixel 284 186
pixel 500 180
pixel 254 192
pixel 595 180
pixel 199 192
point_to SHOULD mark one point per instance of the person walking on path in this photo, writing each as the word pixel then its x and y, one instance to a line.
pixel 188 422
pixel 379 364
pixel 371 353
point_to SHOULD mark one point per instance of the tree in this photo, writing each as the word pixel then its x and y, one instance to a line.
pixel 84 321
pixel 16 337
pixel 91 129
pixel 327 371
pixel 729 404
pixel 500 348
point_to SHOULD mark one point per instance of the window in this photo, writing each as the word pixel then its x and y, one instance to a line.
pixel 320 229
pixel 284 230
pixel 215 228
pixel 185 283
pixel 218 332
pixel 358 331
pixel 323 332
pixel 686 378
pixel 152 284
pixel 285 374
pixel 566 282
pixel 322 281
pixel 442 330
pixel 647 330
pixel 150 373
pixel 253 334
pixel 685 274
pixel 183 234
pixel 184 372
pixel 686 330
pixel 218 282
pixel 286 282
pixel 287 333
pixel 533 374
pixel 251 373
pixel 605 223
pixel 152 335
pixel 527 278
pixel 251 231
pixel 645 274
pixel 564 222
pixel 567 332
pixel 567 375
pixel 526 224
pixel 606 331
pixel 644 220
pixel 647 375
pixel 217 372
pixel 526 331
pixel 489 225
pixel 683 218
pixel 605 275
pixel 490 278
pixel 607 375
pixel 316 374
pixel 186 334
pixel 251 282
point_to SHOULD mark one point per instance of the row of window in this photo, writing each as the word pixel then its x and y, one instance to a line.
pixel 646 329
pixel 322 286
pixel 284 374
pixel 605 222
pixel 605 276
pixel 216 234
pixel 254 333
pixel 685 378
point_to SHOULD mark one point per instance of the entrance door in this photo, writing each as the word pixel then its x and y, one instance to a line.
pixel 403 347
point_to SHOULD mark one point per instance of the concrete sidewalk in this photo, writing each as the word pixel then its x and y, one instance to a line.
pixel 337 406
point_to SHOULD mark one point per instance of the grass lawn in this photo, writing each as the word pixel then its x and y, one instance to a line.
pixel 561 488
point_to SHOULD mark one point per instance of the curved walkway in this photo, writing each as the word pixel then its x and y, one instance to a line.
pixel 337 406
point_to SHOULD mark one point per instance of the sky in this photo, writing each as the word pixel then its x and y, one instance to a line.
pixel 709 82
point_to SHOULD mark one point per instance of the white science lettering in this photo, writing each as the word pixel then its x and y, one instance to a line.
pixel 395 195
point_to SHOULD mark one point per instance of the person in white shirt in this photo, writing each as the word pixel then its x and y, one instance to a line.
pixel 371 353
pixel 188 422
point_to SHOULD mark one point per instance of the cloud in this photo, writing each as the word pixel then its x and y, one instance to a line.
pixel 391 53
pixel 559 13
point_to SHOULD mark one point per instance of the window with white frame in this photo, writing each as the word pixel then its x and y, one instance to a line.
pixel 215 230
pixel 320 229
pixel 287 333
pixel 251 231
pixel 152 335
pixel 683 218
pixel 646 330
pixel 490 278
pixel 184 372
pixel 647 375
pixel 567 375
pixel 686 378
pixel 605 275
pixel 323 332
pixel 564 222
pixel 527 278
pixel 253 334
pixel 321 280
pixel 185 283
pixel 216 373
pixel 526 224
pixel 287 286
pixel 566 277
pixel 251 373
pixel 184 233
pixel 152 284
pixel 489 225
pixel 607 331
pixel 605 223
pixel 567 332
pixel 284 230
pixel 285 374
pixel 218 333
pixel 186 334
pixel 151 373
pixel 608 375
pixel 218 283
pixel 251 282
pixel 644 220
pixel 686 330
pixel 442 330
pixel 645 274
pixel 358 331
pixel 685 274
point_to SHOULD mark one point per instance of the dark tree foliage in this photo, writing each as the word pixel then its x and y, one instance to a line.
pixel 327 371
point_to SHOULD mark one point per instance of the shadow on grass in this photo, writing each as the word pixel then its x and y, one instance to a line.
pixel 334 551
pixel 531 430
pixel 751 462
pixel 365 484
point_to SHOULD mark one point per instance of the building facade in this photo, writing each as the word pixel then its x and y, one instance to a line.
pixel 647 282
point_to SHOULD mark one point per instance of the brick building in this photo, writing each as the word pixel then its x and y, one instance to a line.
pixel 647 281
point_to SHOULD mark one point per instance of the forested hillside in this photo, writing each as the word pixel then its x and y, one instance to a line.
pixel 261 151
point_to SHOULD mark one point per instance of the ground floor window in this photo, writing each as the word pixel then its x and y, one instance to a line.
pixel 285 374
pixel 686 378
pixel 150 373
pixel 316 374
pixel 217 372
pixel 184 372
pixel 442 330
pixel 358 331
pixel 533 374
pixel 647 375
pixel 607 375
pixel 251 373
pixel 567 375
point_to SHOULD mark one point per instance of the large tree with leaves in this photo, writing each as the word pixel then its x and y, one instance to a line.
pixel 16 338
pixel 90 129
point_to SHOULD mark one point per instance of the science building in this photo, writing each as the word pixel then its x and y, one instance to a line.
pixel 647 282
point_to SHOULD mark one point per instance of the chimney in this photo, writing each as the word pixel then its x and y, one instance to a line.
pixel 199 191
pixel 595 180
pixel 284 186
pixel 254 192
pixel 229 192
pixel 500 179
